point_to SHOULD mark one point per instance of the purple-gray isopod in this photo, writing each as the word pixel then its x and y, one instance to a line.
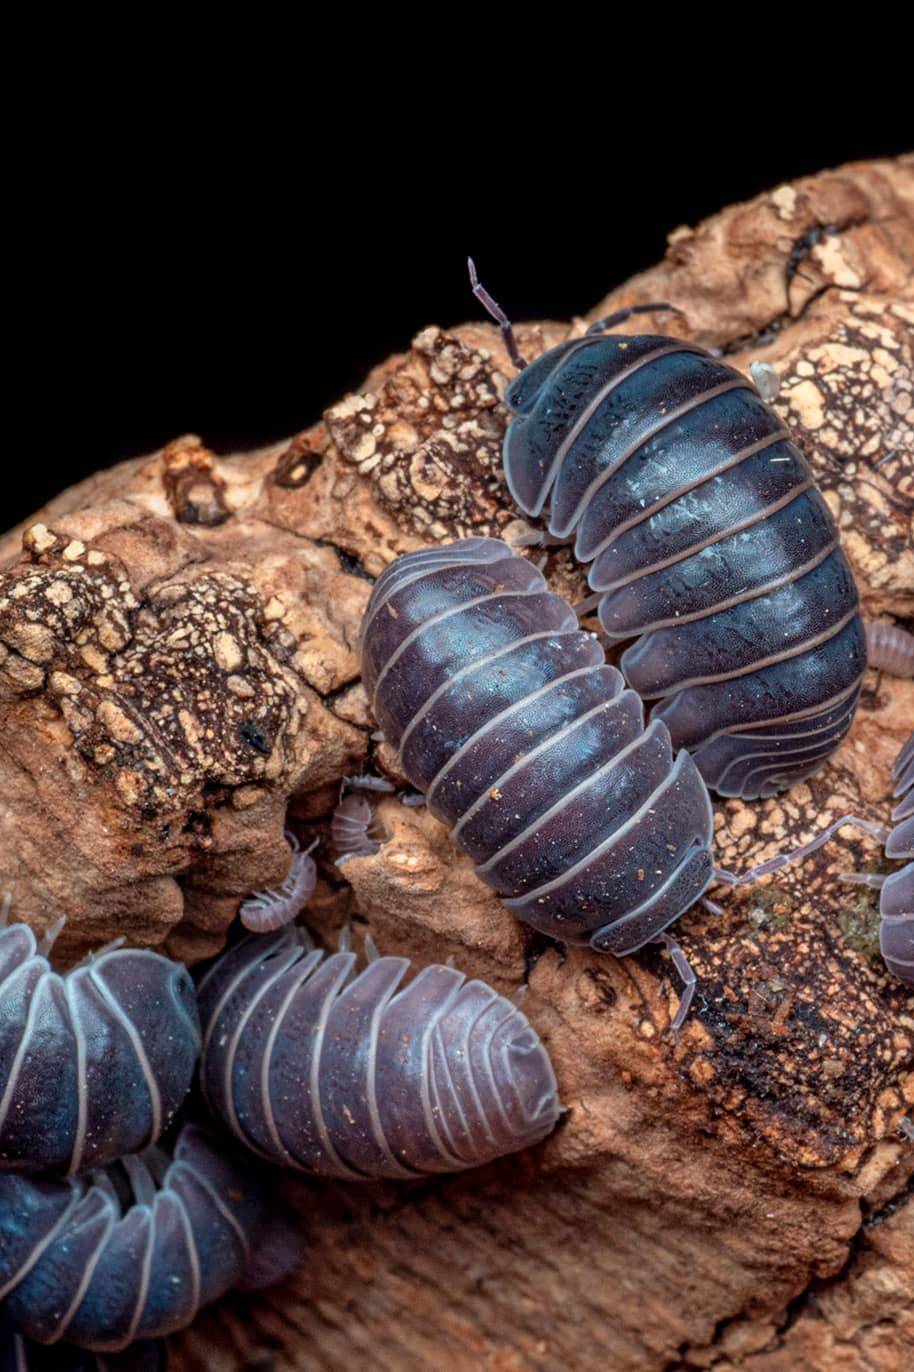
pixel 708 543
pixel 890 648
pixel 79 1262
pixel 350 829
pixel 270 909
pixel 896 891
pixel 95 1063
pixel 525 742
pixel 346 1075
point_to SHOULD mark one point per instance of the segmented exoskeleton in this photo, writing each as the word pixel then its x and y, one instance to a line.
pixel 132 1252
pixel 350 829
pixel 896 899
pixel 94 1063
pixel 21 1355
pixel 347 1075
pixel 272 908
pixel 708 542
pixel 890 649
pixel 505 713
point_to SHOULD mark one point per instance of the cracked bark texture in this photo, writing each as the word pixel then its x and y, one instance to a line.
pixel 178 665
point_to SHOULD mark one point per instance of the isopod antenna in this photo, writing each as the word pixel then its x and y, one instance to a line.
pixel 493 308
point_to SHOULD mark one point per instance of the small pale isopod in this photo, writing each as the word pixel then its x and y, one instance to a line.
pixel 890 649
pixel 95 1063
pixel 353 1076
pixel 274 907
pixel 707 541
pixel 350 829
pixel 80 1263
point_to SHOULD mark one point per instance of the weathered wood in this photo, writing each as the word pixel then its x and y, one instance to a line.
pixel 738 1197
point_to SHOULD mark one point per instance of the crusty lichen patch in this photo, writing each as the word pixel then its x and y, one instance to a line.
pixel 430 438
pixel 166 698
pixel 63 613
pixel 810 1048
pixel 850 398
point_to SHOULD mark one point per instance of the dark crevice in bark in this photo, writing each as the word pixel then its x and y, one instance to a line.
pixel 768 332
pixel 806 1300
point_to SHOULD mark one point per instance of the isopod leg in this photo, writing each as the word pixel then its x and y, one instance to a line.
pixel 686 972
pixel 49 937
pixel 775 864
pixel 620 316
pixel 587 605
pixel 874 880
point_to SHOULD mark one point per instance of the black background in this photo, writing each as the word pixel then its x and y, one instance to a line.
pixel 225 285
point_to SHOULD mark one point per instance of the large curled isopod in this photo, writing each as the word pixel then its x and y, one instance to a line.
pixel 346 1075
pixel 707 539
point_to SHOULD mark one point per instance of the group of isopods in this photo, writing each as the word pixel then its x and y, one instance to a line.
pixel 711 547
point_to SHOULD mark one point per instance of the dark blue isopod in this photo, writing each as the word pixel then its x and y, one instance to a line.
pixel 506 715
pixel 708 543
pixel 93 1064
pixel 346 1075
pixel 21 1355
pixel 82 1263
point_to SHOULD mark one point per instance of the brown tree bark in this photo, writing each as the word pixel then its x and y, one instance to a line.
pixel 177 664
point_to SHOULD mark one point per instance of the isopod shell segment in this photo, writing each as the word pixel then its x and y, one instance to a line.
pixel 527 744
pixel 78 1264
pixel 95 1063
pixel 896 905
pixel 21 1355
pixel 353 1075
pixel 350 829
pixel 270 909
pixel 709 544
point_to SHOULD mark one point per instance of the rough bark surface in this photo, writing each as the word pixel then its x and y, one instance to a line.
pixel 178 665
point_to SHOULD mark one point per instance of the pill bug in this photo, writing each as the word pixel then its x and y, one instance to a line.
pixel 708 543
pixel 21 1355
pixel 131 1252
pixel 505 713
pixel 272 908
pixel 890 648
pixel 351 829
pixel 93 1063
pixel 342 1074
pixel 896 891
